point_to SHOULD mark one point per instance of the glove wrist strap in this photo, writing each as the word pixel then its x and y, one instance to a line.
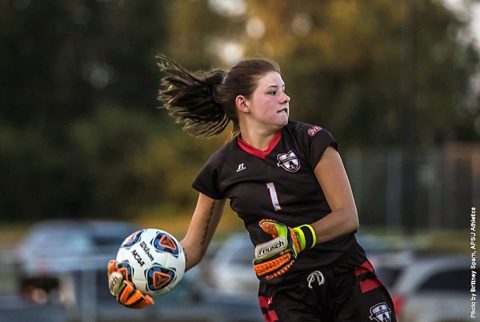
pixel 308 238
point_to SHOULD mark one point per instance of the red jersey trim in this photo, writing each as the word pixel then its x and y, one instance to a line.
pixel 262 154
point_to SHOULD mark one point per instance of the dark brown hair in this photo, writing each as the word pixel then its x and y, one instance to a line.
pixel 205 104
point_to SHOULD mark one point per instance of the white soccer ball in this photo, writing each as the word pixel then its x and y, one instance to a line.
pixel 153 261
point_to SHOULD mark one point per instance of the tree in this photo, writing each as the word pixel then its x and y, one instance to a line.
pixel 79 130
pixel 68 68
pixel 343 62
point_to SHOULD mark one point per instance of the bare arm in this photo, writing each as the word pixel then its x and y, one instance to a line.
pixel 204 221
pixel 333 179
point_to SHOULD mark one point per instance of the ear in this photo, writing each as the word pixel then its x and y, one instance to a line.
pixel 242 104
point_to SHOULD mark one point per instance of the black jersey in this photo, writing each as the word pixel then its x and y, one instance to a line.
pixel 278 183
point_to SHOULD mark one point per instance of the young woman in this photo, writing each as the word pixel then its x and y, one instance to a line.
pixel 287 182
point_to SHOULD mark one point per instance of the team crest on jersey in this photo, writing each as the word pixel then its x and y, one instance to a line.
pixel 288 161
pixel 380 313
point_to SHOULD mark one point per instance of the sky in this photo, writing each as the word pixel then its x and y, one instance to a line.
pixel 470 9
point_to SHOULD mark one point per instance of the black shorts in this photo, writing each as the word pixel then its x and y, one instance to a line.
pixel 348 291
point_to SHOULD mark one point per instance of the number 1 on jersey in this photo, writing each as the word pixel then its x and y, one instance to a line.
pixel 273 196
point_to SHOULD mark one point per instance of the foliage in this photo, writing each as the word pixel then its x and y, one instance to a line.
pixel 80 132
pixel 346 65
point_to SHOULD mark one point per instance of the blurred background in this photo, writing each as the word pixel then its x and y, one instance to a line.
pixel 87 155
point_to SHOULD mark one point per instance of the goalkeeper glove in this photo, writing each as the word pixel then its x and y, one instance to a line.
pixel 123 290
pixel 275 257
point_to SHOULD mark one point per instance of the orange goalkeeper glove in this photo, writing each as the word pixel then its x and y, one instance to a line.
pixel 123 290
pixel 275 257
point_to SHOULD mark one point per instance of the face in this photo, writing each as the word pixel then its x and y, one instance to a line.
pixel 268 106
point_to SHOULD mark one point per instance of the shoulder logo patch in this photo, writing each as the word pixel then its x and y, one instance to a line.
pixel 314 130
pixel 288 161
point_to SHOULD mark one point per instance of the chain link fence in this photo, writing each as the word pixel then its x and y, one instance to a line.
pixel 447 185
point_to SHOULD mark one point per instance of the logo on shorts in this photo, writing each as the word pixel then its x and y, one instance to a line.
pixel 288 161
pixel 380 313
pixel 315 277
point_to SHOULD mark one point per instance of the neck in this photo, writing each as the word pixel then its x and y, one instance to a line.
pixel 259 140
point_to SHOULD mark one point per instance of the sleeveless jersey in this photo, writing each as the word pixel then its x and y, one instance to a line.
pixel 278 183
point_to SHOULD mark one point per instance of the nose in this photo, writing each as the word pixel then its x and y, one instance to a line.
pixel 285 98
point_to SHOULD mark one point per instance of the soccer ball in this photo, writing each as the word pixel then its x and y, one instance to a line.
pixel 153 261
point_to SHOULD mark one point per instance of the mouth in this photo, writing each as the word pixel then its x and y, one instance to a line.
pixel 283 110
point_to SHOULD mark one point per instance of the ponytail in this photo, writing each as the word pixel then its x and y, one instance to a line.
pixel 192 100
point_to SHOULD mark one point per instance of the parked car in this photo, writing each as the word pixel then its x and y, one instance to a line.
pixel 231 270
pixel 53 248
pixel 87 298
pixel 427 288
pixel 16 309
pixel 189 294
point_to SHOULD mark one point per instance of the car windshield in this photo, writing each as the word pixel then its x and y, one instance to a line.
pixel 100 241
pixel 107 234
pixel 54 238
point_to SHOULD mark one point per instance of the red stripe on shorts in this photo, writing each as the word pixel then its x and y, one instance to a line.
pixel 268 314
pixel 263 300
pixel 367 284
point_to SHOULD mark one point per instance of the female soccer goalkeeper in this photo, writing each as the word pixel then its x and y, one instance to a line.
pixel 286 181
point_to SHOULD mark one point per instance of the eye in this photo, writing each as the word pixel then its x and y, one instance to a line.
pixel 272 93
